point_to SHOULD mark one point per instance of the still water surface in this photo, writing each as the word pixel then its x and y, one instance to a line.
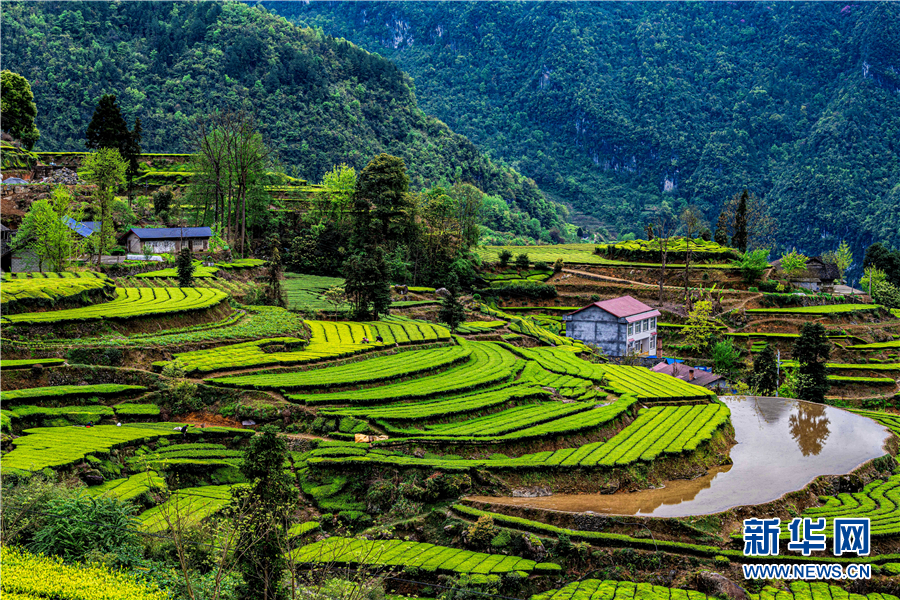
pixel 782 445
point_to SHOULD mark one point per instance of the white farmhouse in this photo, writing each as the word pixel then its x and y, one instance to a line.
pixel 620 326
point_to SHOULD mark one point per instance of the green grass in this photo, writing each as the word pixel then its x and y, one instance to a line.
pixel 242 263
pixel 876 346
pixel 428 557
pixel 200 272
pixel 16 293
pixel 56 447
pixel 189 505
pixel 59 392
pixel 130 303
pixel 187 456
pixel 376 370
pixel 861 380
pixel 573 254
pixel 329 340
pixel 306 292
pixel 489 364
pixel 27 363
pixel 131 487
pixel 828 309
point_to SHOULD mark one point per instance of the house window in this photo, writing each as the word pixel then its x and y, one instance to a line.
pixel 646 324
pixel 652 342
pixel 631 329
pixel 653 323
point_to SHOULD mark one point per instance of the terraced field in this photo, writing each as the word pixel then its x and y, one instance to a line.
pixel 129 303
pixel 187 505
pixel 328 340
pixel 46 289
pixel 397 553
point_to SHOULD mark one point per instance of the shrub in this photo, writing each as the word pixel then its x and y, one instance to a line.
pixel 541 266
pixel 522 261
pixel 558 265
pixel 504 257
pixel 481 532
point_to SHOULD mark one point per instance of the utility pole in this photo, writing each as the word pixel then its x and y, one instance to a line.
pixel 778 373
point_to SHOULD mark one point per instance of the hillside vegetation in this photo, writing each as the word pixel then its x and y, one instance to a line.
pixel 615 107
pixel 320 100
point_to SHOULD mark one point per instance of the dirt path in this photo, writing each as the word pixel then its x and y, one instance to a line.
pixel 594 276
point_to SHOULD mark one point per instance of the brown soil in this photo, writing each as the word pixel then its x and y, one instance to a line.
pixel 208 420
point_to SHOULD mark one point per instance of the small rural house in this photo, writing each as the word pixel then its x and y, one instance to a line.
pixel 620 326
pixel 166 239
pixel 818 277
pixel 694 375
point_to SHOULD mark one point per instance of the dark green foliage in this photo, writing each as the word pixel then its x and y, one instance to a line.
pixel 880 257
pixel 739 239
pixel 265 508
pixel 162 200
pixel 726 359
pixel 682 93
pixel 452 311
pixel 811 351
pixel 274 293
pixel 522 261
pixel 534 290
pixel 73 527
pixel 504 257
pixel 366 285
pixel 320 100
pixel 185 265
pixel 17 108
pixel 382 206
pixel 765 372
pixel 886 294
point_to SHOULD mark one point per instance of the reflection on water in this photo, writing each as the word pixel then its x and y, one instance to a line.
pixel 809 427
pixel 782 445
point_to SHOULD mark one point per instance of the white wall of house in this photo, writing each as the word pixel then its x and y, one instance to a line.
pixel 642 338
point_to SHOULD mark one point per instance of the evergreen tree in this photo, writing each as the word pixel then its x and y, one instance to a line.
pixel 185 265
pixel 108 128
pixel 765 372
pixel 382 199
pixel 132 154
pixel 452 311
pixel 366 285
pixel 721 237
pixel 811 351
pixel 264 508
pixel 274 293
pixel 739 240
pixel 504 257
pixel 17 108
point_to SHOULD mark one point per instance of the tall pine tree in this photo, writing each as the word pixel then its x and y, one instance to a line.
pixel 811 351
pixel 740 238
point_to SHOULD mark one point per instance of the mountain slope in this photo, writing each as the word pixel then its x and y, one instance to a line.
pixel 320 101
pixel 615 107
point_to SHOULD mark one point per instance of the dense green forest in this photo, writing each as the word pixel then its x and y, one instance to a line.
pixel 612 105
pixel 320 101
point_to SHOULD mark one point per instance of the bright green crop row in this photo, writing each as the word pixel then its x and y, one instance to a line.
pixel 470 327
pixel 428 557
pixel 51 275
pixel 49 291
pixel 568 386
pixel 130 488
pixel 526 326
pixel 866 380
pixel 27 575
pixel 127 409
pixel 648 385
pixel 130 303
pixel 876 346
pixel 488 364
pixel 200 272
pixel 603 539
pixel 374 370
pixel 43 447
pixel 596 589
pixel 58 392
pixel 879 502
pixel 828 309
pixel 242 263
pixel 507 421
pixel 82 415
pixel 27 363
pixel 187 505
pixel 889 420
pixel 816 590
pixel 187 455
pixel 853 366
pixel 454 405
pixel 329 340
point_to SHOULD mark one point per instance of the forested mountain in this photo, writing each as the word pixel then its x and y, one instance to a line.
pixel 615 107
pixel 320 101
